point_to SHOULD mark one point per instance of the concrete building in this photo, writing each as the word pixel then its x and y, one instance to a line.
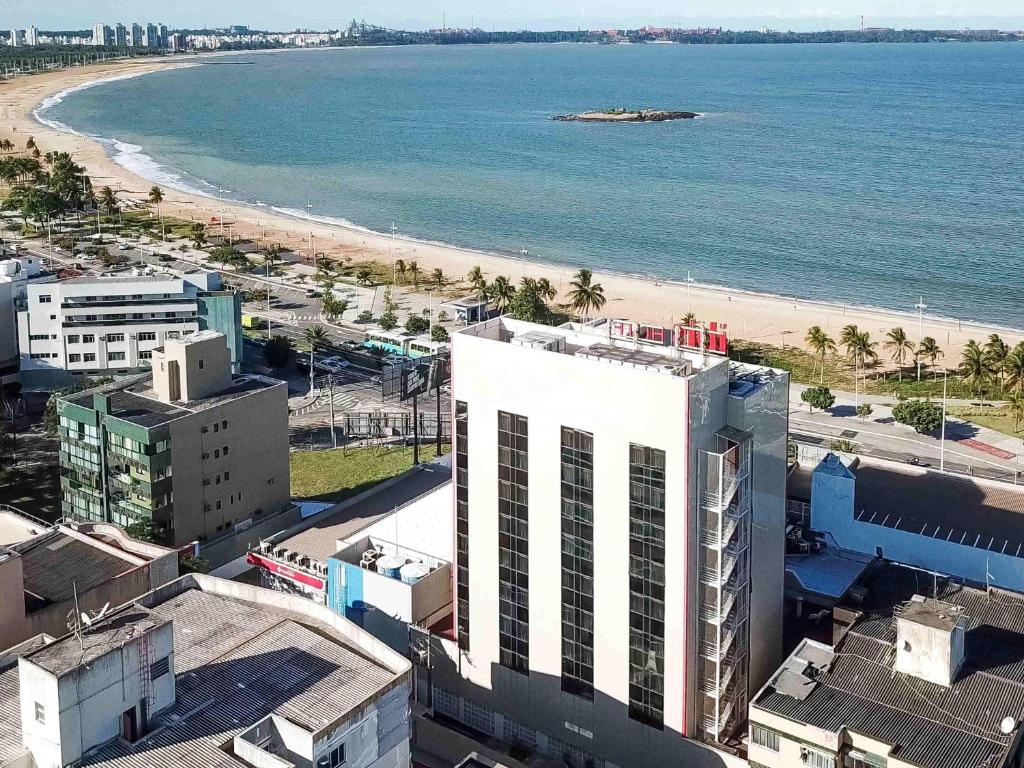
pixel 17 38
pixel 31 36
pixel 92 326
pixel 72 568
pixel 161 35
pixel 15 275
pixel 207 672
pixel 151 38
pixel 966 527
pixel 137 39
pixel 176 42
pixel 102 35
pixel 200 452
pixel 120 35
pixel 646 476
pixel 922 671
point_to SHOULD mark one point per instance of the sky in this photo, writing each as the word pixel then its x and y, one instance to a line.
pixel 799 15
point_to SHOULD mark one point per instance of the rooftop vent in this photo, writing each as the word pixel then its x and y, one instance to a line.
pixel 552 342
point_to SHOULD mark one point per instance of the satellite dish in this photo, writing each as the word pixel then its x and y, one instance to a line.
pixel 1006 727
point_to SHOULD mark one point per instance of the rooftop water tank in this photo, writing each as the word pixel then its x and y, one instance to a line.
pixel 390 566
pixel 413 572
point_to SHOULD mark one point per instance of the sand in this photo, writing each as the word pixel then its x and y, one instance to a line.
pixel 748 315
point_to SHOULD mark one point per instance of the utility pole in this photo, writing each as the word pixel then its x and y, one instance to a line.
pixel 920 307
pixel 334 435
pixel 394 267
pixel 689 304
pixel 942 437
pixel 415 431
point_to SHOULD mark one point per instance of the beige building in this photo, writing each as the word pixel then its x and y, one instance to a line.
pixel 200 452
pixel 924 672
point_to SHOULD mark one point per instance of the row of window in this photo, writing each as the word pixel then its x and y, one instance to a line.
pixel 513 547
pixel 462 522
pixel 768 739
pixel 577 466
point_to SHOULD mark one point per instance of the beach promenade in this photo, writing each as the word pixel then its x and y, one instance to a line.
pixel 752 316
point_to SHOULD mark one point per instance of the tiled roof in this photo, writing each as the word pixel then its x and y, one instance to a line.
pixel 926 724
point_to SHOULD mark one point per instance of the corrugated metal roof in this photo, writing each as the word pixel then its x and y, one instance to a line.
pixel 56 564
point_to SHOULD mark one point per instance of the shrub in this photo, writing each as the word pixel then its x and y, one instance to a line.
pixel 388 320
pixel 818 397
pixel 439 333
pixel 417 325
pixel 923 415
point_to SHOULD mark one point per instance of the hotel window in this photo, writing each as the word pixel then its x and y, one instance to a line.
pixel 73 339
pixel 513 550
pixel 646 584
pixel 44 298
pixel 40 713
pixel 88 338
pixel 145 355
pixel 74 358
pixel 89 357
pixel 764 737
pixel 578 563
pixel 462 521
pixel 114 337
pixel 336 756
pixel 816 759
pixel 147 336
pixel 116 356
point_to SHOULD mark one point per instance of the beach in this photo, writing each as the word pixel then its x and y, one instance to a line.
pixel 756 317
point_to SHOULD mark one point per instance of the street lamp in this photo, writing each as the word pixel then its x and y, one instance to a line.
pixel 394 267
pixel 523 253
pixel 689 282
pixel 920 307
pixel 942 436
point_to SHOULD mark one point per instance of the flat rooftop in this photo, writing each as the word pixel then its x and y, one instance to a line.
pixel 236 660
pixel 132 399
pixel 156 277
pixel 853 686
pixel 15 528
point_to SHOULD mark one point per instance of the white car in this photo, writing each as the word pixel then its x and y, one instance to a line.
pixel 331 364
pixel 124 247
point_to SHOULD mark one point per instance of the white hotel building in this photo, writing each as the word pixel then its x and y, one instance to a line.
pixel 111 325
pixel 619 560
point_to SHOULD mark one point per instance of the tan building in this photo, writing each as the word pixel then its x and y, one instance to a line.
pixel 200 452
pixel 923 672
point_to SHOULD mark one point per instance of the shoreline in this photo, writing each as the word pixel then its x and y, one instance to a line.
pixel 750 315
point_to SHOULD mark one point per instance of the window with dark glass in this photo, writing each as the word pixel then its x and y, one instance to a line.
pixel 513 550
pixel 578 562
pixel 646 584
pixel 462 521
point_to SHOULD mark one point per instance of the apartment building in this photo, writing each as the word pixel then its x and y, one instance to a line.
pixel 200 452
pixel 620 513
pixel 102 35
pixel 91 326
pixel 15 275
pixel 205 672
pixel 136 39
pixel 923 672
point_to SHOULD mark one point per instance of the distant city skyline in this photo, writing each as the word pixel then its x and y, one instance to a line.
pixel 532 14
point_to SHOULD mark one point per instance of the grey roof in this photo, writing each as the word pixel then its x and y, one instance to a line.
pixel 235 662
pixel 926 724
pixel 128 406
pixel 320 540
pixel 55 564
pixel 158 277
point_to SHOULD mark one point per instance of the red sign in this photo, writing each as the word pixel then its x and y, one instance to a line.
pixel 284 571
pixel 712 338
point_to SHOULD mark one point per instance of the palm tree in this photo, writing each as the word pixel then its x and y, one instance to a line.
pixel 414 270
pixel 316 336
pixel 156 196
pixel 6 145
pixel 899 347
pixel 929 350
pixel 690 320
pixel 848 337
pixel 30 143
pixel 822 344
pixel 476 277
pixel 996 351
pixel 198 234
pixel 974 368
pixel 437 277
pixel 1013 368
pixel 584 294
pixel 501 292
pixel 1015 405
pixel 400 269
pixel 546 290
pixel 108 200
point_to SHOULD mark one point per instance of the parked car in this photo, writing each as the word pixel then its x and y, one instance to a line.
pixel 331 364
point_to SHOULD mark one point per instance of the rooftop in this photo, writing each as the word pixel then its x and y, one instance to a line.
pixel 240 654
pixel 132 399
pixel 156 277
pixel 854 687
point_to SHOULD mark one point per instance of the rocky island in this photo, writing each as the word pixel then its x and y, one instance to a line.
pixel 627 116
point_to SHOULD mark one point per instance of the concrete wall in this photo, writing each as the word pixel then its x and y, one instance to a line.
pixel 13 627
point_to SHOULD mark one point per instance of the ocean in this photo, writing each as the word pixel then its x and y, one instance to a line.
pixel 865 174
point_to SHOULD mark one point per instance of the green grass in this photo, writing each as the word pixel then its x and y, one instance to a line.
pixel 339 474
pixel 998 419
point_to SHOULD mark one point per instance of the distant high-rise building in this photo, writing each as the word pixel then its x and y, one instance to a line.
pixel 238 29
pixel 152 38
pixel 120 35
pixel 31 36
pixel 176 42
pixel 161 35
pixel 136 38
pixel 17 37
pixel 102 35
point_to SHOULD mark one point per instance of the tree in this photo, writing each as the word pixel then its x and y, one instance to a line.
pixel 864 410
pixel 366 316
pixel 156 197
pixel 527 304
pixel 996 352
pixel 277 351
pixel 501 292
pixel 546 290
pixel 818 397
pixel 30 143
pixel 108 200
pixel 974 368
pixel 333 306
pixel 929 350
pixel 316 336
pixel 821 344
pixel 197 234
pixel 689 320
pixel 142 530
pixel 414 270
pixel 847 337
pixel 923 415
pixel 584 294
pixel 439 333
pixel 400 270
pixel 1015 405
pixel 476 279
pixel 437 278
pixel 899 347
pixel 1013 367
pixel 364 276
pixel 388 321
pixel 389 300
pixel 193 564
pixel 442 317
pixel 417 324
